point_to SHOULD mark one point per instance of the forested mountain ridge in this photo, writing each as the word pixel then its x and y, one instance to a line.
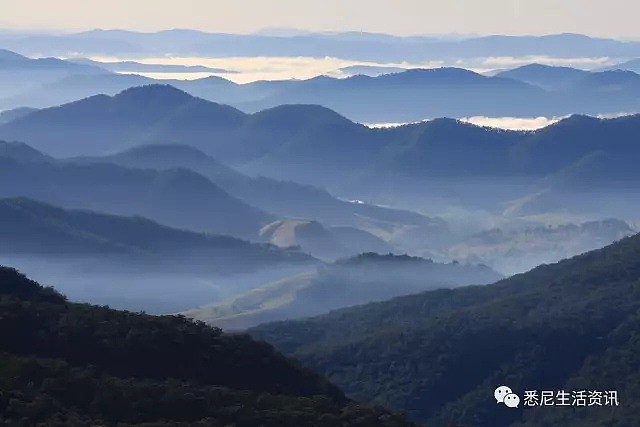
pixel 566 325
pixel 75 364
pixel 31 227
pixel 132 262
pixel 529 91
pixel 284 198
pixel 575 163
pixel 299 138
pixel 176 197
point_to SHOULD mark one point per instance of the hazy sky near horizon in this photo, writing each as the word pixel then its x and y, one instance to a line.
pixel 613 18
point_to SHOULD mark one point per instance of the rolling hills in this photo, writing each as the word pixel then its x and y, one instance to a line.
pixel 570 325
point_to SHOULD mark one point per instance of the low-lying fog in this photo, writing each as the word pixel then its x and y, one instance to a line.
pixel 506 123
pixel 251 69
pixel 138 288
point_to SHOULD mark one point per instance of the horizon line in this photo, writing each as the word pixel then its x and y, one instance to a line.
pixel 300 32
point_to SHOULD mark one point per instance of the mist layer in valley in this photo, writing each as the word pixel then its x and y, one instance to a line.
pixel 258 199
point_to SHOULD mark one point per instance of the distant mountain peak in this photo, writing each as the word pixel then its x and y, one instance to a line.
pixel 538 66
pixel 7 55
pixel 155 92
pixel 301 114
pixel 441 72
pixel 575 120
pixel 20 151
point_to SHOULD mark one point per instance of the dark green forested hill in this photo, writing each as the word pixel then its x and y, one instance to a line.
pixel 63 363
pixel 439 355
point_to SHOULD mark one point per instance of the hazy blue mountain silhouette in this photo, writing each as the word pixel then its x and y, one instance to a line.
pixel 176 197
pixel 29 227
pixel 360 46
pixel 19 74
pixel 134 115
pixel 19 63
pixel 72 88
pixel 631 65
pixel 284 198
pixel 10 115
pixel 314 145
pixel 545 76
pixel 415 94
pixel 139 67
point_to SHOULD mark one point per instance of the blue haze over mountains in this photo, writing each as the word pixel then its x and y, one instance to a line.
pixel 529 91
pixel 414 266
pixel 352 45
pixel 315 145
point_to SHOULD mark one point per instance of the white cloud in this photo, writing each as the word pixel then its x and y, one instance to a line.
pixel 517 61
pixel 512 123
pixel 507 123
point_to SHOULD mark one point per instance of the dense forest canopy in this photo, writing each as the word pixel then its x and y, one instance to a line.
pixel 63 363
pixel 439 355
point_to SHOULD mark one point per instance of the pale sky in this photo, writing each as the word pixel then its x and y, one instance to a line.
pixel 614 18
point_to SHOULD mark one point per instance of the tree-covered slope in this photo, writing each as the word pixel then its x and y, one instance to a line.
pixel 304 140
pixel 34 228
pixel 177 197
pixel 283 198
pixel 439 355
pixel 73 364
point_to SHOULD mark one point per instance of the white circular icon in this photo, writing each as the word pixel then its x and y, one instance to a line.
pixel 512 400
pixel 501 392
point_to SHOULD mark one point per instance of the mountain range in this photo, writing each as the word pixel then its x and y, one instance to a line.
pixel 20 74
pixel 183 187
pixel 140 67
pixel 285 198
pixel 176 197
pixel 35 228
pixel 416 94
pixel 389 262
pixel 348 45
pixel 314 145
pixel 439 355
